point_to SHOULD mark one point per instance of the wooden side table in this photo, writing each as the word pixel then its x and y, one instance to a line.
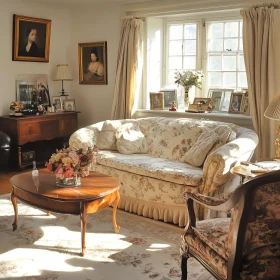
pixel 251 171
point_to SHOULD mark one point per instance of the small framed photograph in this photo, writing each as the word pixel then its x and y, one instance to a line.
pixel 226 100
pixel 235 103
pixel 58 103
pixel 69 105
pixel 169 95
pixel 31 39
pixel 93 63
pixel 156 100
pixel 202 101
pixel 245 106
pixel 216 96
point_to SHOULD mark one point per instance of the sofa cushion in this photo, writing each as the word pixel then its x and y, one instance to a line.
pixel 173 141
pixel 130 140
pixel 106 139
pixel 197 154
pixel 159 168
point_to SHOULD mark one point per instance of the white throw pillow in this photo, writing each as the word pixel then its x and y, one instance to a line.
pixel 130 140
pixel 197 154
pixel 106 139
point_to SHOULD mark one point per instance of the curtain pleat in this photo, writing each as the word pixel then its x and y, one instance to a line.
pixel 261 64
pixel 129 68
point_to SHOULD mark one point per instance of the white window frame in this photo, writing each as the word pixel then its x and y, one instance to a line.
pixel 201 47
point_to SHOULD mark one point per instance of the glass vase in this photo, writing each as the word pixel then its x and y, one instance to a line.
pixel 68 182
pixel 186 97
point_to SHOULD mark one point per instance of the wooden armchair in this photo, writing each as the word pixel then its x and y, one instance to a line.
pixel 245 246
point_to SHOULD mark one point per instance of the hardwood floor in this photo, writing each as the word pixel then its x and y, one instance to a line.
pixel 5 185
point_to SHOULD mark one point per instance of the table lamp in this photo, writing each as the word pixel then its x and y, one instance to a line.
pixel 63 74
pixel 273 112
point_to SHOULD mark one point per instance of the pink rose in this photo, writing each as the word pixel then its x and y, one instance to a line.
pixel 59 173
pixel 49 166
pixel 68 172
pixel 74 158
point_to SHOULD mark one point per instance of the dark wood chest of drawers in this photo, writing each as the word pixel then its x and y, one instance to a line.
pixel 30 129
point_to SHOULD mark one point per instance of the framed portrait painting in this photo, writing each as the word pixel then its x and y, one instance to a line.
pixel 31 39
pixel 93 63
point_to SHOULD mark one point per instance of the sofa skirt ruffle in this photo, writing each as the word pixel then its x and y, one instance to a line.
pixel 168 213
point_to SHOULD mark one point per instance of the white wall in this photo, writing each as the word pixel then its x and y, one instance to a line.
pixel 59 48
pixel 94 25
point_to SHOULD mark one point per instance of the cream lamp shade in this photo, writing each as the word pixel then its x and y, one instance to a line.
pixel 63 74
pixel 273 112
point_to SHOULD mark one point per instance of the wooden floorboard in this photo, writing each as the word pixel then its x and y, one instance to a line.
pixel 5 186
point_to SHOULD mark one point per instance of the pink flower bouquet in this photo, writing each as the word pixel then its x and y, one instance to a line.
pixel 69 163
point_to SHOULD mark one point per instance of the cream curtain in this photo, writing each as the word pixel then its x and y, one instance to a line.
pixel 129 68
pixel 260 56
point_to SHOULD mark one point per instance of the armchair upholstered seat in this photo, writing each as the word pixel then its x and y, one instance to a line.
pixel 245 246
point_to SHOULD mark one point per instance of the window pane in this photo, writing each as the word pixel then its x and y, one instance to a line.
pixel 229 79
pixel 216 30
pixel 175 47
pixel 171 76
pixel 190 47
pixel 215 62
pixel 175 32
pixel 214 79
pixel 189 62
pixel 190 31
pixel 215 45
pixel 241 44
pixel 242 80
pixel 231 44
pixel 241 29
pixel 241 64
pixel 175 62
pixel 231 29
pixel 229 63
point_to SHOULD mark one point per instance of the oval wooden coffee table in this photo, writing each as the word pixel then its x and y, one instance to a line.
pixel 96 192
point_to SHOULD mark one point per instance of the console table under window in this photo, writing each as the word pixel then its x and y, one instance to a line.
pixel 32 133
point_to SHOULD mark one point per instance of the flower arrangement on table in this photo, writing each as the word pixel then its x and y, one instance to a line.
pixel 16 106
pixel 69 163
pixel 187 79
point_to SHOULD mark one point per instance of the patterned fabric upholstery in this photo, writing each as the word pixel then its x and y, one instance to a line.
pixel 159 168
pixel 254 219
pixel 262 238
pixel 168 139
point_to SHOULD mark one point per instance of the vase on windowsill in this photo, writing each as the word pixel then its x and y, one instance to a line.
pixel 186 97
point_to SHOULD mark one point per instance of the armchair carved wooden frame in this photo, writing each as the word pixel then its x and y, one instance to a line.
pixel 245 246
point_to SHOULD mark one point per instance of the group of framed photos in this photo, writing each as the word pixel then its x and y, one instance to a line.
pixel 62 104
pixel 226 100
pixel 219 100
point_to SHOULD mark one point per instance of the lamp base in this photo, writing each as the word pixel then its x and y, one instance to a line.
pixel 277 145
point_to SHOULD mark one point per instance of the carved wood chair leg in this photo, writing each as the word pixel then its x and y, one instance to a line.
pixel 184 267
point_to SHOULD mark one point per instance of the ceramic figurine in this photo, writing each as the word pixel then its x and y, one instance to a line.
pixel 173 108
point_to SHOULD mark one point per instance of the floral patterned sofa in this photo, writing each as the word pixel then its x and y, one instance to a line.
pixel 164 157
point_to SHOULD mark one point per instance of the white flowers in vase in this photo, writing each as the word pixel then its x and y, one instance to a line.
pixel 189 78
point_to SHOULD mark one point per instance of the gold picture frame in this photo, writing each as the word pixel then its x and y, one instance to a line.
pixel 31 39
pixel 156 100
pixel 93 63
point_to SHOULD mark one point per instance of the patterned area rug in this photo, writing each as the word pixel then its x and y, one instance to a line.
pixel 48 247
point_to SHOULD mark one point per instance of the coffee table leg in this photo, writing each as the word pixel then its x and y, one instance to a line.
pixel 83 216
pixel 116 227
pixel 14 201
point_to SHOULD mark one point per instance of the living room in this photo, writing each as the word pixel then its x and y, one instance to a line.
pixel 74 24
